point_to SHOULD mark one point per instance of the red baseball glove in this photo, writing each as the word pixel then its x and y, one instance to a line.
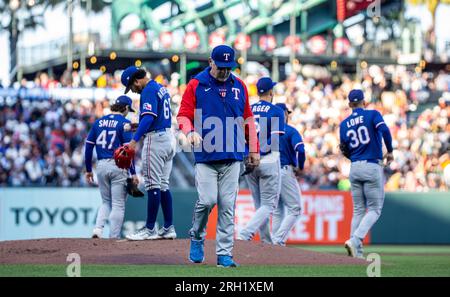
pixel 123 156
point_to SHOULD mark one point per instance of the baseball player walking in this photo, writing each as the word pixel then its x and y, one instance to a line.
pixel 265 180
pixel 217 96
pixel 361 142
pixel 157 152
pixel 292 157
pixel 107 134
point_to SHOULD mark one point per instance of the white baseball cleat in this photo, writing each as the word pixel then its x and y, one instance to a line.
pixel 350 247
pixel 279 243
pixel 167 233
pixel 97 233
pixel 144 234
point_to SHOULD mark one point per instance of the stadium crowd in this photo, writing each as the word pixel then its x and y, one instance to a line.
pixel 42 141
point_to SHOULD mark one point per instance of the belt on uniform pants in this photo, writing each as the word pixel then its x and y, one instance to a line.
pixel 158 130
pixel 374 161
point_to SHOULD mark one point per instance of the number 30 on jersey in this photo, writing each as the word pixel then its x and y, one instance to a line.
pixel 360 136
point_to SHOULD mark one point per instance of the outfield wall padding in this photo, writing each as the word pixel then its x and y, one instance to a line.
pixel 407 218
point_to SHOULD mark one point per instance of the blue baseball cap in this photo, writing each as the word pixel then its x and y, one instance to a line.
pixel 283 107
pixel 355 95
pixel 125 100
pixel 265 84
pixel 129 74
pixel 223 56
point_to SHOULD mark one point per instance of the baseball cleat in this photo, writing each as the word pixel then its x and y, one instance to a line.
pixel 144 234
pixel 351 249
pixel 167 233
pixel 197 252
pixel 354 248
pixel 360 251
pixel 97 233
pixel 280 243
pixel 226 262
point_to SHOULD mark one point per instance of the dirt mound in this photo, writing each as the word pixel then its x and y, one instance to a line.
pixel 106 251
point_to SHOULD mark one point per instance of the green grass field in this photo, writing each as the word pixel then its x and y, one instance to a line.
pixel 396 261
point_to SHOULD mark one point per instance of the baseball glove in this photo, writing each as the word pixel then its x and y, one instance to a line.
pixel 123 156
pixel 344 150
pixel 133 189
pixel 248 166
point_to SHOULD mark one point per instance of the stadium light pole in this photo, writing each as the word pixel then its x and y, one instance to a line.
pixel 183 68
pixel 70 45
pixel 84 48
pixel 292 26
pixel 275 74
pixel 244 64
pixel 14 6
pixel 275 65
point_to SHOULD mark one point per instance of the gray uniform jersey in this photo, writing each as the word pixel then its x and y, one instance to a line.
pixel 157 159
pixel 264 183
pixel 289 207
pixel 367 190
pixel 112 182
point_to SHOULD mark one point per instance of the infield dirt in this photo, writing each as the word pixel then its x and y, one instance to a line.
pixel 171 252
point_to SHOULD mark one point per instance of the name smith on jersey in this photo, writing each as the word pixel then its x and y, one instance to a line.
pixel 107 123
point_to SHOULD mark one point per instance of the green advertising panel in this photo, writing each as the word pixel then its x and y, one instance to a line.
pixel 415 218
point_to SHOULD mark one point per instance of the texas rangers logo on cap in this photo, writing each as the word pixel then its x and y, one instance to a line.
pixel 223 56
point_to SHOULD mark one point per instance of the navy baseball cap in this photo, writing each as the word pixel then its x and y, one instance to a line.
pixel 223 56
pixel 129 74
pixel 283 107
pixel 355 95
pixel 125 100
pixel 265 84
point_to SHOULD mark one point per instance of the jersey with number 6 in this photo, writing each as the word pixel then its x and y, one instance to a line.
pixel 155 101
pixel 107 134
pixel 360 132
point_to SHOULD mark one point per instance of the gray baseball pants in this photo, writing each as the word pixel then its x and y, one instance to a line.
pixel 289 207
pixel 112 183
pixel 367 186
pixel 216 184
pixel 157 159
pixel 264 183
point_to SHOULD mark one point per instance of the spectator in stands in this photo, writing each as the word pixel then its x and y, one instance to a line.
pixel 40 141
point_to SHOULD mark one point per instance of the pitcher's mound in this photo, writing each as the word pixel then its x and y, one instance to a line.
pixel 107 251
